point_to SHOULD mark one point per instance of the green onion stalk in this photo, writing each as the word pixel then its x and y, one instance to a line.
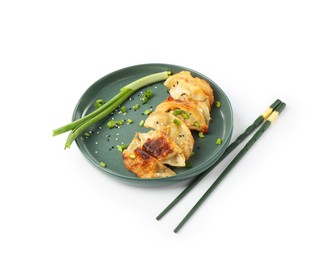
pixel 78 126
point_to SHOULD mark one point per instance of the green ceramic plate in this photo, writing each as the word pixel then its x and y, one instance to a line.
pixel 101 146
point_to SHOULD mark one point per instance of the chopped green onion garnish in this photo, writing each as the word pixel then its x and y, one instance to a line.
pixel 185 116
pixel 141 123
pixel 129 121
pixel 122 147
pixel 218 104
pixel 219 141
pixel 144 99
pixel 201 135
pixel 98 103
pixel 148 93
pixel 147 112
pixel 87 135
pixel 176 121
pixel 188 164
pixel 120 122
pixel 196 124
pixel 177 112
pixel 111 124
pixel 146 96
pixel 136 106
pixel 123 109
pixel 102 164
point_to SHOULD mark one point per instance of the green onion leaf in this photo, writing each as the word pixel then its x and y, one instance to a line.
pixel 177 112
pixel 119 122
pixel 87 135
pixel 136 106
pixel 129 121
pixel 122 147
pixel 218 104
pixel 98 103
pixel 147 112
pixel 144 99
pixel 141 123
pixel 123 109
pixel 219 141
pixel 102 164
pixel 148 93
pixel 111 124
pixel 188 164
pixel 201 135
pixel 185 115
pixel 176 121
pixel 146 96
pixel 196 124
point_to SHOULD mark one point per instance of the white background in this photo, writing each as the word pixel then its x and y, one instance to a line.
pixel 55 205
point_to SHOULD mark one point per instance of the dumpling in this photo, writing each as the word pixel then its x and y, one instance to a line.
pixel 195 117
pixel 183 86
pixel 142 164
pixel 204 110
pixel 162 147
pixel 174 128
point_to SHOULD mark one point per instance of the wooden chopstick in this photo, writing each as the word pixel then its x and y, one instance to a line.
pixel 229 149
pixel 231 165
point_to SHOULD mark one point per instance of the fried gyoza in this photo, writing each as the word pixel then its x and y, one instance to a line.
pixel 174 128
pixel 183 86
pixel 162 147
pixel 142 164
pixel 188 111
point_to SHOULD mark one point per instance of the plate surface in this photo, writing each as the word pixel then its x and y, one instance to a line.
pixel 101 145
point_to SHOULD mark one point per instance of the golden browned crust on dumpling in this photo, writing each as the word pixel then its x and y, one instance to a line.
pixel 192 115
pixel 174 128
pixel 183 86
pixel 144 165
pixel 158 147
pixel 162 147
